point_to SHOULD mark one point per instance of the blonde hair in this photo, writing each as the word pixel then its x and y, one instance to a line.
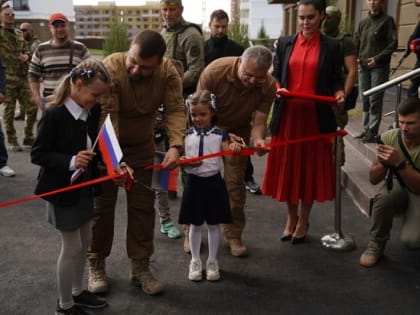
pixel 87 71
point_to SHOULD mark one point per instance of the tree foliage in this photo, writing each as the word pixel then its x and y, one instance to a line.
pixel 262 38
pixel 117 39
pixel 239 33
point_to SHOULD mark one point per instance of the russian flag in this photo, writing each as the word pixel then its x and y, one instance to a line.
pixel 109 146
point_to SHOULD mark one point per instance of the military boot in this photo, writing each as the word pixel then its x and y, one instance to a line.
pixel 97 282
pixel 141 276
pixel 373 253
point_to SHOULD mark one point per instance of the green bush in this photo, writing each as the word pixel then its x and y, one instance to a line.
pixel 117 39
pixel 239 33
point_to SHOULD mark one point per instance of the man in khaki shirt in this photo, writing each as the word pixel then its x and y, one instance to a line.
pixel 142 80
pixel 244 93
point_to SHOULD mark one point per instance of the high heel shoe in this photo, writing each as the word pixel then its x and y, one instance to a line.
pixel 286 237
pixel 299 240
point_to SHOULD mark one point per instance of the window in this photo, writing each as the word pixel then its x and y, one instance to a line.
pixel 21 5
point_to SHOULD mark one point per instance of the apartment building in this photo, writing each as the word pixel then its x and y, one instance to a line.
pixel 93 21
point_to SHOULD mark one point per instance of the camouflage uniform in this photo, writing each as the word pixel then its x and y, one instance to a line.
pixel 31 45
pixel 185 44
pixel 12 45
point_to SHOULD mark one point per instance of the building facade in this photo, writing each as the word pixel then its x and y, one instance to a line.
pixel 234 9
pixel 94 21
pixel 403 11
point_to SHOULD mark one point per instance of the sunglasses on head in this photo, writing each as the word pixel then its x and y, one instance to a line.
pixel 8 14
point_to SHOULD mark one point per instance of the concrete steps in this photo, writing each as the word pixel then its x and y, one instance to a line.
pixel 359 156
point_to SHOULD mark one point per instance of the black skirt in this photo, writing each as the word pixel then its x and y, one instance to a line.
pixel 205 199
pixel 72 217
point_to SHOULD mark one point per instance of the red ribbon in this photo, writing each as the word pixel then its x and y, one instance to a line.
pixel 307 96
pixel 243 152
pixel 61 190
pixel 252 150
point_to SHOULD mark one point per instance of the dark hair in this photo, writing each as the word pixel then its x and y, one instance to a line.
pixel 150 43
pixel 219 15
pixel 203 97
pixel 319 5
pixel 410 106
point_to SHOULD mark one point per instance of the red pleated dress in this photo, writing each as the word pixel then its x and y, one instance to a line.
pixel 303 171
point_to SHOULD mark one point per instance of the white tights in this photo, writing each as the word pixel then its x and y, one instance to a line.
pixel 71 263
pixel 213 239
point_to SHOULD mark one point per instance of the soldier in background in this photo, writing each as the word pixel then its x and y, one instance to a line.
pixel 32 42
pixel 184 43
pixel 331 27
pixel 375 41
pixel 15 56
pixel 217 46
pixel 28 35
pixel 5 170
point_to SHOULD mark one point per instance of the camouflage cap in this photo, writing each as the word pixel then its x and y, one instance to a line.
pixel 178 2
pixel 333 11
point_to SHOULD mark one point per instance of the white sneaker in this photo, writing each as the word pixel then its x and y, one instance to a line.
pixel 212 270
pixel 196 270
pixel 7 171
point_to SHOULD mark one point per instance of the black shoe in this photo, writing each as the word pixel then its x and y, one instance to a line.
pixel 297 240
pixel 172 194
pixel 28 141
pixel 89 300
pixel 286 237
pixel 253 187
pixel 370 138
pixel 360 135
pixel 74 310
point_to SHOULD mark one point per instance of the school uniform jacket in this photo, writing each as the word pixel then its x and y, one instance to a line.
pixel 60 137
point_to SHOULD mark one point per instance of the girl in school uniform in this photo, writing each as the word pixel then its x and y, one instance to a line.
pixel 205 198
pixel 63 149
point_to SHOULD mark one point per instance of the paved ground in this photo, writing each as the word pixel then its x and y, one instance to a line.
pixel 277 277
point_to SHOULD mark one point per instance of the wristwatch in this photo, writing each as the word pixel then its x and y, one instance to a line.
pixel 401 165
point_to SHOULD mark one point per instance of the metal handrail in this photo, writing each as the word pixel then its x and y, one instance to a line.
pixel 395 81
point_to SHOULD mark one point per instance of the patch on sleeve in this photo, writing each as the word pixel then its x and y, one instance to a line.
pixel 195 51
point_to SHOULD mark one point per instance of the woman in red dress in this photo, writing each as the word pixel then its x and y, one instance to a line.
pixel 300 174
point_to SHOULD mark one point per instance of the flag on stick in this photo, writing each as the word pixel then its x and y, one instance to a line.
pixel 109 146
pixel 76 174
